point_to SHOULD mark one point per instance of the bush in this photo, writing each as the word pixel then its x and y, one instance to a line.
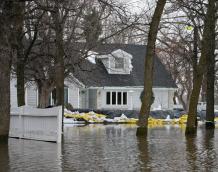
pixel 68 106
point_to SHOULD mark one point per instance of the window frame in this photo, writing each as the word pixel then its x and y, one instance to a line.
pixel 119 96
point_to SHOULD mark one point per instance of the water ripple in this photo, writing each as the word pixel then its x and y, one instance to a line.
pixel 114 148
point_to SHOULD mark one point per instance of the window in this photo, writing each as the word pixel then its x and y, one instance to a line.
pixel 113 98
pixel 124 98
pixel 108 98
pixel 119 98
pixel 119 63
pixel 116 98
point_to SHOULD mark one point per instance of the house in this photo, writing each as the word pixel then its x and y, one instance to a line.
pixel 111 77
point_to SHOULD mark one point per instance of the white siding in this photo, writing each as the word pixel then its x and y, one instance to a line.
pixel 93 99
pixel 73 94
pixel 136 99
pixel 13 95
pixel 84 99
pixel 170 98
pixel 101 99
pixel 31 96
pixel 163 98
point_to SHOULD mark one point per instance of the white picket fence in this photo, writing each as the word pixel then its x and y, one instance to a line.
pixel 37 124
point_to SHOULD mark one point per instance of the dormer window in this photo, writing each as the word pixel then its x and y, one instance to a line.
pixel 119 63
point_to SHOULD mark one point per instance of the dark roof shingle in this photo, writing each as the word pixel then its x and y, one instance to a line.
pixel 99 77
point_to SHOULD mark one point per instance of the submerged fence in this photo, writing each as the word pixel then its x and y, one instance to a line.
pixel 37 124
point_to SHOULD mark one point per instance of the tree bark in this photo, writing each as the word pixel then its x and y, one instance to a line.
pixel 20 84
pixel 210 124
pixel 19 21
pixel 59 75
pixel 59 56
pixel 44 92
pixel 207 42
pixel 5 67
pixel 148 73
pixel 204 89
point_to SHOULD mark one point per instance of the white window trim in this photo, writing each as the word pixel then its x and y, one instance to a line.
pixel 116 103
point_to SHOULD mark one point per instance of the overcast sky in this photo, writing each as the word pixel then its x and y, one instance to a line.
pixel 136 6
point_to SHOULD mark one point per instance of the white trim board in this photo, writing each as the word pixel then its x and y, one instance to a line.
pixel 132 88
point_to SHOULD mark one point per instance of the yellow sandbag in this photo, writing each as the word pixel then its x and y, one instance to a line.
pixel 183 119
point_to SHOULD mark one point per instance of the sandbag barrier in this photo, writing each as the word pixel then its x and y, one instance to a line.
pixel 94 118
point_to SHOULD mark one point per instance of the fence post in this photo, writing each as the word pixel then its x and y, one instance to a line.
pixel 59 121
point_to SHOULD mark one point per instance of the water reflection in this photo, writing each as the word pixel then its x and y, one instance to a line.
pixel 100 148
pixel 191 152
pixel 144 157
pixel 209 154
pixel 4 162
pixel 114 148
pixel 28 155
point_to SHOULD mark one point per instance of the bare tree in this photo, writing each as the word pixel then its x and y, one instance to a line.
pixel 175 51
pixel 6 27
pixel 19 25
pixel 148 74
pixel 208 42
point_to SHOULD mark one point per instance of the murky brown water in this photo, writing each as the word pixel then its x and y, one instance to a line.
pixel 114 148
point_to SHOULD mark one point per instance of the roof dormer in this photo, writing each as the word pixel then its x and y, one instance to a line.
pixel 117 62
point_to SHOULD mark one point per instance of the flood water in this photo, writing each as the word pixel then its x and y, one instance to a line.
pixel 114 148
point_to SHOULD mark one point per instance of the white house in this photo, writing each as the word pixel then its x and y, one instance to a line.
pixel 111 78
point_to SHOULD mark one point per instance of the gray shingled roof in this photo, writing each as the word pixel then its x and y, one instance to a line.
pixel 97 75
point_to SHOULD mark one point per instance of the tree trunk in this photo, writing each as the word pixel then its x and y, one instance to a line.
pixel 204 89
pixel 44 92
pixel 191 127
pixel 188 100
pixel 20 83
pixel 19 9
pixel 210 92
pixel 148 73
pixel 5 67
pixel 59 56
pixel 59 75
pixel 207 42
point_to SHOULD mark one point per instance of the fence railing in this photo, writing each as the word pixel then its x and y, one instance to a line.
pixel 37 124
